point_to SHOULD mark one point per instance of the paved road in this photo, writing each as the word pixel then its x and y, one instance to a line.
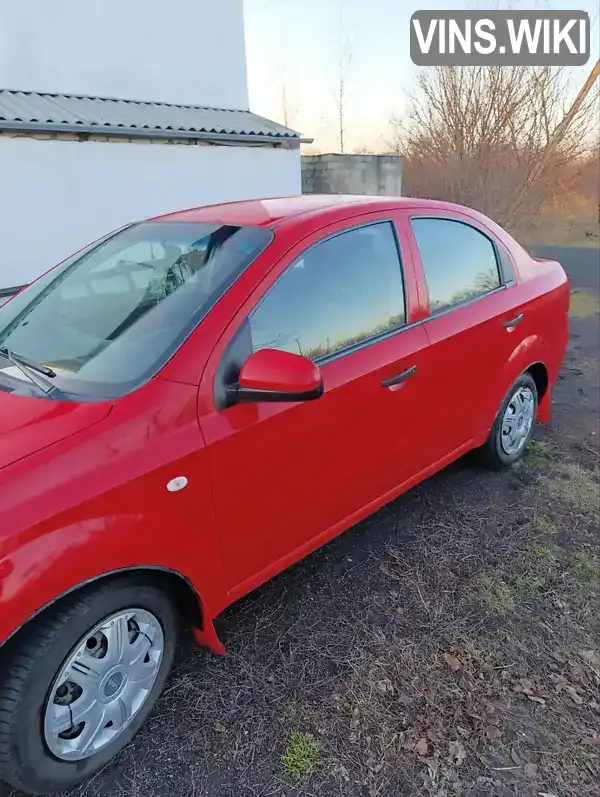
pixel 581 263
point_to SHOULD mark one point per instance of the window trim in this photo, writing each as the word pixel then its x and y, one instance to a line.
pixel 328 358
pixel 504 284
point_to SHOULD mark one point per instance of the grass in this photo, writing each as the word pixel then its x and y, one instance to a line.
pixel 527 586
pixel 497 596
pixel 545 524
pixel 500 597
pixel 577 486
pixel 539 448
pixel 522 578
pixel 583 304
pixel 539 551
pixel 538 453
pixel 301 754
pixel 586 567
pixel 577 226
pixel 579 755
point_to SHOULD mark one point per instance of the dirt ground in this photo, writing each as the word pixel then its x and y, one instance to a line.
pixel 448 646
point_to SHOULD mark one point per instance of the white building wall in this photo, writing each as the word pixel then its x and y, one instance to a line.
pixel 57 196
pixel 179 51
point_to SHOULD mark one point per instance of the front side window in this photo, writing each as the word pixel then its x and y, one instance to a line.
pixel 107 319
pixel 459 261
pixel 338 293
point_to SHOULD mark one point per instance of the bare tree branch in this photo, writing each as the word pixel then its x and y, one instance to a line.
pixel 345 57
pixel 505 140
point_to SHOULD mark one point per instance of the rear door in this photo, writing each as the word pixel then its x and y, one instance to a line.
pixel 474 323
pixel 286 475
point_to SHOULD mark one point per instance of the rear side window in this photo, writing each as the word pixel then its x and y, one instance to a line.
pixel 340 292
pixel 459 261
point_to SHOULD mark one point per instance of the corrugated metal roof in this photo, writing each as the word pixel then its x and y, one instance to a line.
pixel 28 110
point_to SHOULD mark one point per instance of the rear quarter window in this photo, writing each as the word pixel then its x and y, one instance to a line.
pixel 506 265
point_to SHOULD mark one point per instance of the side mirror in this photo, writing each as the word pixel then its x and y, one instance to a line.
pixel 273 375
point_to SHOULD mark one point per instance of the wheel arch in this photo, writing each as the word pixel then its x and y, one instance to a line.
pixel 541 377
pixel 187 600
pixel 538 370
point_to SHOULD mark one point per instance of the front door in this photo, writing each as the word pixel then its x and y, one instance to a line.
pixel 285 475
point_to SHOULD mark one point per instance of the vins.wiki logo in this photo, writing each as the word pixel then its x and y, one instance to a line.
pixel 500 38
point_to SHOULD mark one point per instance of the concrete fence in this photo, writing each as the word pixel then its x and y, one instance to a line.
pixel 374 175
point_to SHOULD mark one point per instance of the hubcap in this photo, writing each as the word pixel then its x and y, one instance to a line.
pixel 517 421
pixel 104 682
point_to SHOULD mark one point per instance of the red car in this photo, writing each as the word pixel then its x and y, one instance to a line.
pixel 195 402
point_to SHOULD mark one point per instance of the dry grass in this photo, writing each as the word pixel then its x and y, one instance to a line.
pixel 584 304
pixel 576 224
pixel 577 486
pixel 432 651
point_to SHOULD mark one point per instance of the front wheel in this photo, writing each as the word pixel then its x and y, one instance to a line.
pixel 513 425
pixel 81 681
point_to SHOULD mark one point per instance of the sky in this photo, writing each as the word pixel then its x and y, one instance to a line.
pixel 294 49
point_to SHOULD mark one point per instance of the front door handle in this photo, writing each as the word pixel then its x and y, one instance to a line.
pixel 513 322
pixel 399 378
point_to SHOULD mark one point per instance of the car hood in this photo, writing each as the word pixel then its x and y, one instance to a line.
pixel 29 424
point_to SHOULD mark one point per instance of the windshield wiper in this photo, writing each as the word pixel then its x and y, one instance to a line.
pixel 25 366
pixel 39 367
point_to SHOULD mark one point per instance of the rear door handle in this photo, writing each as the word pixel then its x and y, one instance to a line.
pixel 513 322
pixel 399 378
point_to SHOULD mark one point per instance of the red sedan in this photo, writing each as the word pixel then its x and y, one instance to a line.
pixel 195 402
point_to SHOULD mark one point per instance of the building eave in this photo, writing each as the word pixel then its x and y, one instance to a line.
pixel 146 133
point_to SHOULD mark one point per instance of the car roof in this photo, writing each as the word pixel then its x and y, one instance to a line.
pixel 271 212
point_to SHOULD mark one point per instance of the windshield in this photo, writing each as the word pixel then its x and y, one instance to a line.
pixel 108 318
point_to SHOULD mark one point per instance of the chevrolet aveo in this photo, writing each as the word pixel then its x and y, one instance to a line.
pixel 193 403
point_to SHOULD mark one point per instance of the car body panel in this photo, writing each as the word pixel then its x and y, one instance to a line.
pixel 98 502
pixel 84 487
pixel 29 424
pixel 473 336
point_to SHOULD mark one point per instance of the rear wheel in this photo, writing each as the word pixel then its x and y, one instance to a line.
pixel 513 425
pixel 79 683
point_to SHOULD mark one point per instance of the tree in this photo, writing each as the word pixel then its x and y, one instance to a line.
pixel 287 114
pixel 505 140
pixel 345 57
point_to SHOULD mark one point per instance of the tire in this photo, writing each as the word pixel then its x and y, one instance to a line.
pixel 494 453
pixel 33 754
